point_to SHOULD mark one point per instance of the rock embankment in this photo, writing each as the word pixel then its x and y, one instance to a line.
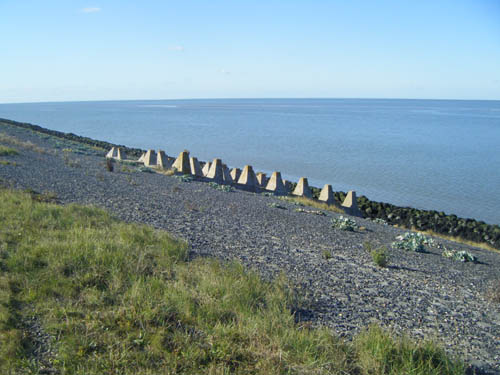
pixel 423 295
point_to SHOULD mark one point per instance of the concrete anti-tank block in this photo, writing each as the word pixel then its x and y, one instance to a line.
pixel 141 159
pixel 326 194
pixel 275 184
pixel 112 153
pixel 206 168
pixel 216 172
pixel 163 161
pixel 302 189
pixel 150 158
pixel 288 186
pixel 350 204
pixel 182 163
pixel 195 167
pixel 120 154
pixel 226 175
pixel 261 179
pixel 247 179
pixel 235 174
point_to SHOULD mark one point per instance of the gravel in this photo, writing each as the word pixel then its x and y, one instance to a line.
pixel 422 295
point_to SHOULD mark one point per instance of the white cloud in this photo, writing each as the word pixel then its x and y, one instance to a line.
pixel 91 10
pixel 176 48
pixel 224 71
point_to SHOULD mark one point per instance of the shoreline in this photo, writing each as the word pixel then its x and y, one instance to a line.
pixel 420 294
pixel 436 222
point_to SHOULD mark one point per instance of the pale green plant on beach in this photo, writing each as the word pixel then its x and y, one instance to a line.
pixel 412 242
pixel 344 223
pixel 462 255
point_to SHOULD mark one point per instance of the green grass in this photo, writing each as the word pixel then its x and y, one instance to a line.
pixel 8 151
pixel 313 203
pixel 124 299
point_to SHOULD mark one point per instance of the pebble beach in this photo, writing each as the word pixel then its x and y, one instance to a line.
pixel 421 295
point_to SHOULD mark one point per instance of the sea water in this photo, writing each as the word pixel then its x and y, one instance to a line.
pixel 441 155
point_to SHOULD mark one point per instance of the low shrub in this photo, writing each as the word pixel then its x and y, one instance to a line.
pixel 225 188
pixel 380 256
pixel 185 178
pixel 344 223
pixel 320 213
pixel 462 255
pixel 276 205
pixel 412 242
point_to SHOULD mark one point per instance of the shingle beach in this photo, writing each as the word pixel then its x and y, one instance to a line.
pixel 423 295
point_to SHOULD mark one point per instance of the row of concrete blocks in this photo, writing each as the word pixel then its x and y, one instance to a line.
pixel 246 179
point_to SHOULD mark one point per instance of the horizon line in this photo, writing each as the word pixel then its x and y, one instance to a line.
pixel 245 98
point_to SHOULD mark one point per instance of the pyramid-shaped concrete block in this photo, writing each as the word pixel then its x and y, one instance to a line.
pixel 302 189
pixel 288 186
pixel 182 163
pixel 120 154
pixel 112 153
pixel 247 179
pixel 216 172
pixel 141 159
pixel 226 174
pixel 235 174
pixel 206 168
pixel 163 161
pixel 326 194
pixel 150 158
pixel 275 184
pixel 261 179
pixel 195 167
pixel 350 204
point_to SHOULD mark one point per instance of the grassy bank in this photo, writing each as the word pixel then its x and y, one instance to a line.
pixel 82 293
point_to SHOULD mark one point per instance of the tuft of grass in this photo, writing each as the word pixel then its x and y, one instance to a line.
pixel 327 254
pixel 379 353
pixel 8 151
pixel 313 203
pixel 6 162
pixel 380 256
pixel 166 172
pixel 5 138
pixel 122 298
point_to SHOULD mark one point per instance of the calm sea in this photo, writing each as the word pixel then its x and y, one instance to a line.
pixel 432 154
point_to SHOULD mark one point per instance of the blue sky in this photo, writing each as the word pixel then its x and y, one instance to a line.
pixel 108 49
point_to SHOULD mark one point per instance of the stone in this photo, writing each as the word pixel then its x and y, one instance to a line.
pixel 216 172
pixel 261 179
pixel 247 179
pixel 195 167
pixel 182 163
pixel 275 184
pixel 326 194
pixel 163 161
pixel 150 158
pixel 206 168
pixel 235 174
pixel 350 204
pixel 302 189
